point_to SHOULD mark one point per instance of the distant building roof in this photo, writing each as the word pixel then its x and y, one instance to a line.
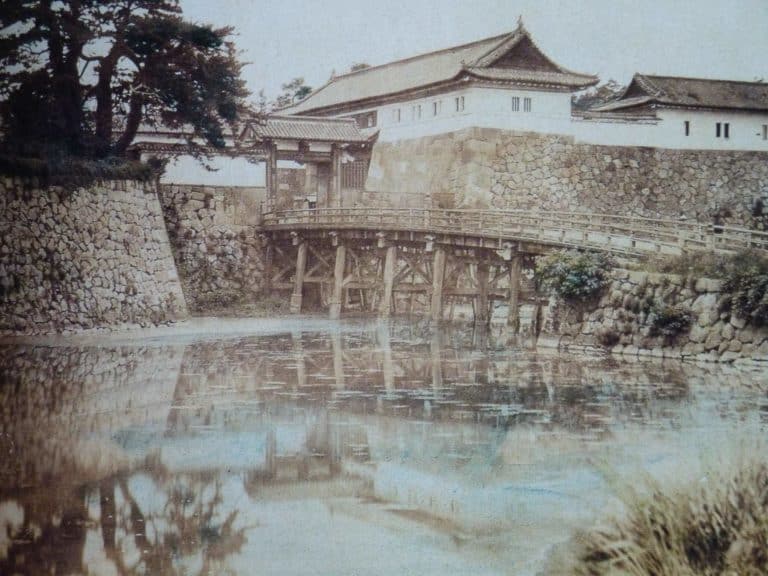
pixel 305 128
pixel 646 91
pixel 511 58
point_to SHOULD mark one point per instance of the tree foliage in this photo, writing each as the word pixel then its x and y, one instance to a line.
pixel 598 95
pixel 293 91
pixel 78 77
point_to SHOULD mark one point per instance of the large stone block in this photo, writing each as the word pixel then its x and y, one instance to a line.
pixel 705 309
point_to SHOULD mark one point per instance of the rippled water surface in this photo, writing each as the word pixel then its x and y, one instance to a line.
pixel 335 448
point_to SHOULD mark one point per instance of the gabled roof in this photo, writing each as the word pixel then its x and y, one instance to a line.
pixel 645 90
pixel 304 128
pixel 511 57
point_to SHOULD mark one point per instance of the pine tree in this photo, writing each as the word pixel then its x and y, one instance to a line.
pixel 79 77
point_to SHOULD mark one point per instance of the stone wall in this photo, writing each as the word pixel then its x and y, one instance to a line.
pixel 87 258
pixel 621 321
pixel 482 168
pixel 214 242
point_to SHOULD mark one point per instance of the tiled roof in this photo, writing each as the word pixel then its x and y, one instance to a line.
pixel 623 103
pixel 690 92
pixel 305 128
pixel 427 70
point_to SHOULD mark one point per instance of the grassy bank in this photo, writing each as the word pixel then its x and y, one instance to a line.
pixel 717 526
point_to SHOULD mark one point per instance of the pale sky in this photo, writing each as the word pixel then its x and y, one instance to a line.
pixel 283 39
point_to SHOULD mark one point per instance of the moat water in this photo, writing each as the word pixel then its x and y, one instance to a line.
pixel 360 447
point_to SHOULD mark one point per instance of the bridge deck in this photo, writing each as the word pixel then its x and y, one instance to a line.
pixel 617 234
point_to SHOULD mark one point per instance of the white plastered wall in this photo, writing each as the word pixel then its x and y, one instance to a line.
pixel 228 172
pixel 745 131
pixel 481 107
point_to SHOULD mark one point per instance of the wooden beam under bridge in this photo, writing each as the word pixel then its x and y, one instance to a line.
pixel 389 276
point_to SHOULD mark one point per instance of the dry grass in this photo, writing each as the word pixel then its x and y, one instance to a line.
pixel 267 306
pixel 717 527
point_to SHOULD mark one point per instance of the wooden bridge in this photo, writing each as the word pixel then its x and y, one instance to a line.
pixel 385 258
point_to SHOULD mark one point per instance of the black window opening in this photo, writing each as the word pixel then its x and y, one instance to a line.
pixel 726 130
pixel 687 128
pixel 718 127
pixel 722 129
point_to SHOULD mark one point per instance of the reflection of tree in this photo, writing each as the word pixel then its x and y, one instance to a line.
pixel 187 535
pixel 51 538
pixel 189 525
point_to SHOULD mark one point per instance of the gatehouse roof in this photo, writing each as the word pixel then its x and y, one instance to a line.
pixel 280 127
pixel 508 58
pixel 257 129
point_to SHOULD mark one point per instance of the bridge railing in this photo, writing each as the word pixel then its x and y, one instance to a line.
pixel 621 234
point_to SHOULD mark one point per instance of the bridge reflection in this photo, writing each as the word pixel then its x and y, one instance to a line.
pixel 164 459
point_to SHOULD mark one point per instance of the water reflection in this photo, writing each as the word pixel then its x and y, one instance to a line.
pixel 319 452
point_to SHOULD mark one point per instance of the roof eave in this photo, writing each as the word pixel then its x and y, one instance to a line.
pixel 586 83
pixel 677 105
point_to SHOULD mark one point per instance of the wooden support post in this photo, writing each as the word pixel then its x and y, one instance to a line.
pixel 270 461
pixel 389 280
pixel 268 259
pixel 298 285
pixel 513 315
pixel 335 184
pixel 271 176
pixel 301 360
pixel 338 281
pixel 338 359
pixel 536 320
pixel 438 274
pixel 387 368
pixel 310 182
pixel 481 300
pixel 436 360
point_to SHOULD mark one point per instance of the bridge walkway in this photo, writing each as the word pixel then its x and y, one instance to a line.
pixel 390 257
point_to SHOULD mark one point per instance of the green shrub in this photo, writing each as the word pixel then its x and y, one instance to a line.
pixel 715 528
pixel 746 287
pixel 669 321
pixel 574 275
